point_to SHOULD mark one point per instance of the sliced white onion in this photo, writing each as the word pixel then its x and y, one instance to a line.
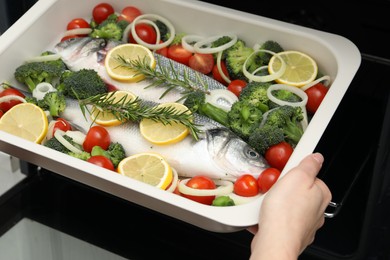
pixel 224 188
pixel 152 17
pixel 299 92
pixel 12 97
pixel 77 31
pixel 266 78
pixel 221 98
pixel 42 89
pixel 77 136
pixel 204 46
pixel 59 135
pixel 43 58
pixel 325 79
pixel 174 182
pixel 188 41
pixel 221 72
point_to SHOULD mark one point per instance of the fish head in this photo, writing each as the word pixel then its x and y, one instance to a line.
pixel 234 155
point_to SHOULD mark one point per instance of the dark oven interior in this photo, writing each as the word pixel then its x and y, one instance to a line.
pixel 355 145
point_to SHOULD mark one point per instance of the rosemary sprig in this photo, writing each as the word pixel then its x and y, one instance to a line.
pixel 135 110
pixel 166 76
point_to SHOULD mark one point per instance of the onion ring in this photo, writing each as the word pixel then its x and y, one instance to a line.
pixel 266 78
pixel 325 78
pixel 174 182
pixel 225 187
pixel 199 46
pixel 59 135
pixel 299 92
pixel 219 60
pixel 220 97
pixel 187 39
pixel 12 97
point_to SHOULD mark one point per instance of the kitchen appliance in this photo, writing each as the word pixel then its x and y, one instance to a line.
pixel 355 169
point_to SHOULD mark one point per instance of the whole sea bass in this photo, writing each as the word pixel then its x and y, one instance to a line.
pixel 218 153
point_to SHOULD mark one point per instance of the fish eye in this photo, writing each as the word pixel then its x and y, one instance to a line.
pixel 251 153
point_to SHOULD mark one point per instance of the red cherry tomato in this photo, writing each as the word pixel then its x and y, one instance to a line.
pixel 278 155
pixel 236 86
pixel 97 135
pixel 163 51
pixel 129 13
pixel 102 161
pixel 201 182
pixel 101 11
pixel 61 124
pixel 7 105
pixel 145 32
pixel 1 113
pixel 217 76
pixel 315 95
pixel 70 37
pixel 77 23
pixel 246 186
pixel 177 53
pixel 203 63
pixel 267 179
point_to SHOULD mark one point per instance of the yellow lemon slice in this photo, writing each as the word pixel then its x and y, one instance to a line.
pixel 27 121
pixel 162 134
pixel 150 168
pixel 107 118
pixel 301 69
pixel 127 52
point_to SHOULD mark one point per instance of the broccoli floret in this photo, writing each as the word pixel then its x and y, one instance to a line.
pixel 264 137
pixel 287 118
pixel 235 58
pixel 53 143
pixel 33 73
pixel 54 102
pixel 223 201
pixel 177 39
pixel 83 155
pixel 256 94
pixel 196 103
pixel 31 99
pixel 271 46
pixel 285 95
pixel 82 84
pixel 244 118
pixel 115 152
pixel 164 32
pixel 219 42
pixel 110 28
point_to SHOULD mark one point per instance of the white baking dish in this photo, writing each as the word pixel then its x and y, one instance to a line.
pixel 42 25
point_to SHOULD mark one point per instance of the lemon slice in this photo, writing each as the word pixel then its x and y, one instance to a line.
pixel 25 120
pixel 107 118
pixel 162 134
pixel 150 168
pixel 128 52
pixel 301 69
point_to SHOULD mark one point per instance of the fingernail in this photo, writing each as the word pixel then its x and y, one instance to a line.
pixel 318 157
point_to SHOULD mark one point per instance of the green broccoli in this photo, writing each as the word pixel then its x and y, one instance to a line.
pixel 287 118
pixel 164 32
pixel 115 152
pixel 110 28
pixel 54 102
pixel 244 118
pixel 264 137
pixel 223 201
pixel 285 95
pixel 256 94
pixel 271 46
pixel 82 84
pixel 82 156
pixel 53 143
pixel 219 42
pixel 196 103
pixel 235 58
pixel 33 73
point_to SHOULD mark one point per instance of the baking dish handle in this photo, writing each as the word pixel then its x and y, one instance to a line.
pixel 333 208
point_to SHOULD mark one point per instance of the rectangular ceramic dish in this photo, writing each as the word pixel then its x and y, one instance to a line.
pixel 42 25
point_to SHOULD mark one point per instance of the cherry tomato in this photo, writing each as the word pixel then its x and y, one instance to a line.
pixel 177 53
pixel 217 76
pixel 201 182
pixel 267 179
pixel 203 63
pixel 236 86
pixel 101 11
pixel 163 51
pixel 246 186
pixel 315 95
pixel 97 135
pixel 129 13
pixel 61 124
pixel 145 32
pixel 278 155
pixel 102 161
pixel 1 113
pixel 77 23
pixel 7 105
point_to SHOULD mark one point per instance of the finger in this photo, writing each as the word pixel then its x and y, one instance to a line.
pixel 311 165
